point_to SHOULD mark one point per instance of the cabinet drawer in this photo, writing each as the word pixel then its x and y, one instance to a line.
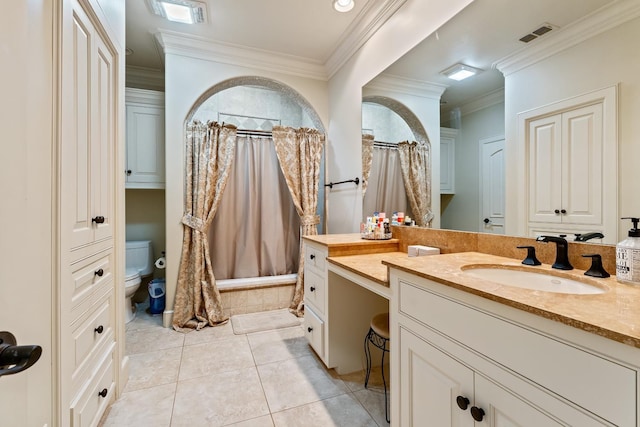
pixel 598 385
pixel 89 405
pixel 315 259
pixel 314 331
pixel 314 290
pixel 88 277
pixel 89 334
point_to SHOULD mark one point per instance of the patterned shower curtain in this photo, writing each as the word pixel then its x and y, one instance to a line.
pixel 415 161
pixel 299 153
pixel 210 149
pixel 367 160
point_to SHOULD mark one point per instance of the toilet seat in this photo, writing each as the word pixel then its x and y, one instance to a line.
pixel 131 277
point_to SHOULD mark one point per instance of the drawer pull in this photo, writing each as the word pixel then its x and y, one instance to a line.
pixel 477 413
pixel 312 289
pixel 309 329
pixel 99 272
pixel 99 329
pixel 103 393
pixel 463 402
pixel 98 220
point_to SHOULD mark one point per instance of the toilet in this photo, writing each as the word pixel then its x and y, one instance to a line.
pixel 139 264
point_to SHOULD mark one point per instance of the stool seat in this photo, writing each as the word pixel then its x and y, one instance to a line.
pixel 380 325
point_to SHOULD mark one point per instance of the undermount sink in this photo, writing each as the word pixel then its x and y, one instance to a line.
pixel 539 281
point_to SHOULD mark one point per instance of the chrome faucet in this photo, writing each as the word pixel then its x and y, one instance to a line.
pixel 562 251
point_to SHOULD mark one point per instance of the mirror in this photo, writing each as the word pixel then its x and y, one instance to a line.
pixel 486 35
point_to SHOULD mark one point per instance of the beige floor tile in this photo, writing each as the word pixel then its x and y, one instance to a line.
pixel 265 421
pixel 281 344
pixel 372 399
pixel 296 382
pixel 153 368
pixel 222 355
pixel 152 339
pixel 355 380
pixel 219 400
pixel 339 411
pixel 144 320
pixel 208 334
pixel 148 407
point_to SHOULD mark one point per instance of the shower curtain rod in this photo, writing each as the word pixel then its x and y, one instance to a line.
pixel 384 144
pixel 248 132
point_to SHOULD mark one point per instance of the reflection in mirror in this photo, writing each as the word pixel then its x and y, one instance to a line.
pixel 588 47
pixel 398 152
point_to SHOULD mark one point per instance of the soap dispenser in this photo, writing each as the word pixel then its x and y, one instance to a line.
pixel 628 256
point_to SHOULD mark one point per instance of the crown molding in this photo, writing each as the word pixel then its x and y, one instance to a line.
pixel 596 23
pixel 482 102
pixel 175 43
pixel 143 96
pixel 144 78
pixel 373 16
pixel 393 83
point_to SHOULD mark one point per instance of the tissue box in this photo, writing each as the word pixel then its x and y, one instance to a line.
pixel 419 250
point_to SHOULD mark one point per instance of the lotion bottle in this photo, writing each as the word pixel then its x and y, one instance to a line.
pixel 628 256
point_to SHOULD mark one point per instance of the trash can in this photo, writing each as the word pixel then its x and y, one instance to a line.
pixel 157 296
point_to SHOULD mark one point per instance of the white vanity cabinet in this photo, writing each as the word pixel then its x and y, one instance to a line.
pixel 514 368
pixel 447 160
pixel 145 139
pixel 315 297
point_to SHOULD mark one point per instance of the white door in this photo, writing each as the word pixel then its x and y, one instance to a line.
pixel 430 385
pixel 492 185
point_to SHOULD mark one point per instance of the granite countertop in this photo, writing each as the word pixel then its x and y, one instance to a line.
pixel 352 244
pixel 614 314
pixel 369 266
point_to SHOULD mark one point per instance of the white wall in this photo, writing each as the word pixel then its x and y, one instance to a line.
pixel 605 60
pixel 462 212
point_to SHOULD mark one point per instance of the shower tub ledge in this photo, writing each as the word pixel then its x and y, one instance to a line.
pixel 255 294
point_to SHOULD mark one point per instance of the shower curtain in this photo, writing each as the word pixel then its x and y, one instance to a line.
pixel 415 161
pixel 256 230
pixel 210 149
pixel 300 152
pixel 386 191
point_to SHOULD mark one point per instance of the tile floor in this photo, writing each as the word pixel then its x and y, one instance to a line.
pixel 215 378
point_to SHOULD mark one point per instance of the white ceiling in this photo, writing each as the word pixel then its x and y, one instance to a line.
pixel 486 31
pixel 308 29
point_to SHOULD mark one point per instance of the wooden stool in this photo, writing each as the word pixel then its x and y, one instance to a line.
pixel 378 335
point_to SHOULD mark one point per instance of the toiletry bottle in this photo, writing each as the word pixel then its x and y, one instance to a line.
pixel 628 256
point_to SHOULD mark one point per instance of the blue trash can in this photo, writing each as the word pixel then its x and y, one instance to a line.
pixel 157 297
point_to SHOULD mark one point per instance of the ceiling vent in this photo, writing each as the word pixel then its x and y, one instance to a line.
pixel 538 32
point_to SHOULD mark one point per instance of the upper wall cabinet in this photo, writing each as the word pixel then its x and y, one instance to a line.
pixel 447 160
pixel 145 139
pixel 571 160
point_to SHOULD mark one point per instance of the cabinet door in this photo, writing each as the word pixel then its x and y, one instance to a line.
pixel 145 146
pixel 430 382
pixel 447 161
pixel 88 134
pixel 582 165
pixel 545 169
pixel 504 409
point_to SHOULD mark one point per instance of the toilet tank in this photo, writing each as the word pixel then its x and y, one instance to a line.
pixel 140 256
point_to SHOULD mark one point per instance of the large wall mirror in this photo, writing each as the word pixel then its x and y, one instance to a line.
pixel 535 60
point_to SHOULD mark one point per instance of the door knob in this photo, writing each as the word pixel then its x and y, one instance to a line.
pixel 557 211
pixel 98 220
pixel 486 220
pixel 103 393
pixel 563 211
pixel 99 272
pixel 312 288
pixel 128 172
pixel 99 329
pixel 312 256
pixel 16 358
pixel 309 329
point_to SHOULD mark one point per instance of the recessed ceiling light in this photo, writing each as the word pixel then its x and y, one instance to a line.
pixel 183 11
pixel 343 5
pixel 460 72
